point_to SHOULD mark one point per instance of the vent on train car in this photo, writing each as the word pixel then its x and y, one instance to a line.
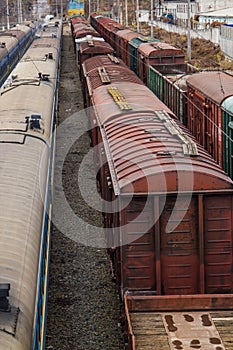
pixel 43 77
pixel 189 146
pixel 3 45
pixel 90 42
pixel 49 56
pixel 104 75
pixel 34 121
pixel 4 293
pixel 118 98
pixel 113 58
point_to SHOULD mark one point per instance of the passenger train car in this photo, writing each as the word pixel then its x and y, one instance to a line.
pixel 27 134
pixel 13 44
pixel 168 214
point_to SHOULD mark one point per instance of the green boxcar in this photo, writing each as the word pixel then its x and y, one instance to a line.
pixel 169 93
pixel 133 51
pixel 227 115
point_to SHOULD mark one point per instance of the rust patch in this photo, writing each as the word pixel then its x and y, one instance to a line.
pixel 193 330
pixel 188 318
pixel 170 323
pixel 195 344
pixel 215 341
pixel 178 344
pixel 206 320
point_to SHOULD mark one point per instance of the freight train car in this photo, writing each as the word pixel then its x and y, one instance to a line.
pixel 184 322
pixel 107 27
pixel 99 71
pixel 13 44
pixel 138 51
pixel 210 114
pixel 93 48
pixel 168 210
pixel 88 42
pixel 166 58
pixel 171 231
pixel 83 32
pixel 27 122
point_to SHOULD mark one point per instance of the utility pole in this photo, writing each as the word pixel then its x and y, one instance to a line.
pixel 7 15
pixel 61 9
pixel 56 9
pixel 137 14
pixel 19 11
pixel 126 13
pixel 188 33
pixel 152 18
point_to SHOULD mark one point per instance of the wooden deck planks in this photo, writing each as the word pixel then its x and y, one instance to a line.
pixel 150 333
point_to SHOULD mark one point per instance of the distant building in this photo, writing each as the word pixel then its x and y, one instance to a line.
pixel 179 9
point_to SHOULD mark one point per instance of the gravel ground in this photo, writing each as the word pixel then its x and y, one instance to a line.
pixel 83 306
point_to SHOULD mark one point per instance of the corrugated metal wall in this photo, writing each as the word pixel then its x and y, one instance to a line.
pixel 226 40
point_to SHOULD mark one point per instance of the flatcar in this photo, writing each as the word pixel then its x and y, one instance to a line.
pixel 27 113
pixel 210 114
pixel 13 44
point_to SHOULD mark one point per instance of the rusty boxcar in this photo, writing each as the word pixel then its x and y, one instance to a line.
pixel 164 57
pixel 100 71
pixel 168 211
pixel 93 48
pixel 175 234
pixel 210 114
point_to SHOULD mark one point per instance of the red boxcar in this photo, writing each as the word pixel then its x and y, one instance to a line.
pixel 172 230
pixel 107 27
pixel 91 48
pixel 162 56
pixel 101 71
pixel 104 70
pixel 206 93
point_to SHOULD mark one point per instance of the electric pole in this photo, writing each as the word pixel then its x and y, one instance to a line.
pixel 7 15
pixel 152 18
pixel 189 30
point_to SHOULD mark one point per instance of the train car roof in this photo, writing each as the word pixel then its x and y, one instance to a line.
pixel 107 74
pixel 111 101
pixel 150 153
pixel 102 60
pixel 38 72
pixel 109 23
pixel 128 34
pixel 27 105
pixel 84 31
pixel 158 48
pixel 215 85
pixel 6 44
pixel 95 47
